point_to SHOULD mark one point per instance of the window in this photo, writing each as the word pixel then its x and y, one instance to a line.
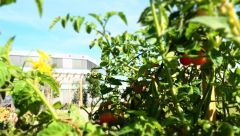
pixel 79 64
pixel 19 60
pixel 16 60
pixel 58 62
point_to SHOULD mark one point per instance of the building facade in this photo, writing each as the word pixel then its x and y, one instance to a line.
pixel 70 71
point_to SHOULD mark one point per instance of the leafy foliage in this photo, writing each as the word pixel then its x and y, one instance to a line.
pixel 144 89
pixel 25 98
pixel 185 100
pixel 38 2
pixel 77 21
pixel 56 129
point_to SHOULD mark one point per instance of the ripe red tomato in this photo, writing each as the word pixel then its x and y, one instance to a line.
pixel 185 60
pixel 107 117
pixel 199 60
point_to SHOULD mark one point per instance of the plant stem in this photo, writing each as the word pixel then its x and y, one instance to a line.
pixel 41 96
pixel 158 29
pixel 135 69
pixel 157 26
pixel 223 99
pixel 175 102
pixel 5 90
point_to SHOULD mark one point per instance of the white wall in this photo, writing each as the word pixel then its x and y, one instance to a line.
pixel 67 63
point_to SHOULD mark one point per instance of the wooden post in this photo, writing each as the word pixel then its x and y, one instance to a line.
pixel 212 108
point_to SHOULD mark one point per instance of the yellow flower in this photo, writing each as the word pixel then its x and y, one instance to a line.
pixel 42 64
pixel 43 55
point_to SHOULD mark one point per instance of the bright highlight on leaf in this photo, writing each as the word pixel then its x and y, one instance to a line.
pixel 54 22
pixel 212 22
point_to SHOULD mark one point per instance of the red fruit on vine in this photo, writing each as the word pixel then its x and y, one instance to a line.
pixel 199 60
pixel 185 60
pixel 107 117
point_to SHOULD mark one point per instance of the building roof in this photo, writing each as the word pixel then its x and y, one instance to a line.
pixel 55 55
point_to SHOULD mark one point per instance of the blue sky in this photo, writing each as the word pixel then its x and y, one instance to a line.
pixel 22 20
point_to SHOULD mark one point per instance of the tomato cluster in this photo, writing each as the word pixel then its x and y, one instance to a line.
pixel 201 59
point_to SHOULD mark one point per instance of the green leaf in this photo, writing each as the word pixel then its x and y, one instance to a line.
pixel 4 73
pixel 64 22
pixel 102 64
pixel 125 48
pixel 123 17
pixel 170 56
pixel 54 22
pixel 163 17
pixel 114 81
pixel 4 52
pixel 76 115
pixel 225 129
pixel 50 81
pixel 15 71
pixel 78 23
pixel 39 6
pixel 144 15
pixel 109 14
pixel 206 127
pixel 34 107
pixel 238 99
pixel 57 105
pixel 24 97
pixel 142 70
pixel 105 89
pixel 45 117
pixel 6 2
pixel 238 71
pixel 157 125
pixel 216 57
pixel 93 43
pixel 57 128
pixel 68 16
pixel 97 17
pixel 125 130
pixel 190 29
pixel 9 44
pixel 93 130
pixel 213 22
pixel 89 27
